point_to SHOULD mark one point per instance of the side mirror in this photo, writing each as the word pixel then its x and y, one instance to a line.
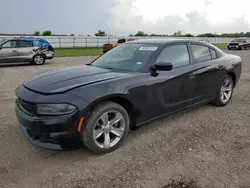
pixel 163 66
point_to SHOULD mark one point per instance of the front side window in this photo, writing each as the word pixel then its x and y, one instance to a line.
pixel 177 55
pixel 9 44
pixel 201 53
pixel 127 56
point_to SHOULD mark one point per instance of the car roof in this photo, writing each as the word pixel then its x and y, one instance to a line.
pixel 170 41
pixel 164 41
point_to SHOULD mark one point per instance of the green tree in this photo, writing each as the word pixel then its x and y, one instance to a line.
pixel 37 33
pixel 208 35
pixel 177 34
pixel 100 33
pixel 47 33
pixel 188 35
pixel 141 33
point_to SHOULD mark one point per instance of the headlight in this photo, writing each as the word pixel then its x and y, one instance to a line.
pixel 55 109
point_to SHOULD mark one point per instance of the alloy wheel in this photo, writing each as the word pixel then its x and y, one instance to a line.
pixel 109 129
pixel 39 59
pixel 226 90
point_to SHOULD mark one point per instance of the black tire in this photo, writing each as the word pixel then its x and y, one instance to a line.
pixel 90 123
pixel 218 101
pixel 41 60
pixel 228 48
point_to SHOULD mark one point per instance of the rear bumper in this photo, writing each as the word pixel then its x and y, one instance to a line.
pixel 53 133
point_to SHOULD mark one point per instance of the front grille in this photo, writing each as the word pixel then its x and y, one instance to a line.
pixel 27 106
pixel 41 137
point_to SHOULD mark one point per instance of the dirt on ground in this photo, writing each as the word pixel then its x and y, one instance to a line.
pixel 201 147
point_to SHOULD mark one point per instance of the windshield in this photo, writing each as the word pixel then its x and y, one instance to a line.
pixel 239 40
pixel 129 57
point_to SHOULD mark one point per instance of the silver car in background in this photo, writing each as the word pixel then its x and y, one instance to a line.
pixel 14 50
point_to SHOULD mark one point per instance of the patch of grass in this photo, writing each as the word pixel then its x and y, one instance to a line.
pixel 220 45
pixel 63 52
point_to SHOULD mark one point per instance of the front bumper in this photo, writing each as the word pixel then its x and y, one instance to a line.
pixel 49 132
pixel 234 47
pixel 49 55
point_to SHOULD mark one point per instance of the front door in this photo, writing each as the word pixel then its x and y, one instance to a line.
pixel 171 90
pixel 8 52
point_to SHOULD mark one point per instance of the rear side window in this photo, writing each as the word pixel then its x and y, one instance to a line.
pixel 177 55
pixel 36 43
pixel 24 44
pixel 201 53
pixel 213 53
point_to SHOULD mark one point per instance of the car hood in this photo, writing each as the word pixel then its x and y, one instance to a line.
pixel 236 43
pixel 62 80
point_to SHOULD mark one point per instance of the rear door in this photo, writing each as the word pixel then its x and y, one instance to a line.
pixel 8 51
pixel 25 50
pixel 209 71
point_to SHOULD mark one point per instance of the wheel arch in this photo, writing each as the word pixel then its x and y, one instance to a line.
pixel 233 76
pixel 122 100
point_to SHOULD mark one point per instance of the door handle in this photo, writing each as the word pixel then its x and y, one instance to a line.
pixel 221 66
pixel 14 51
pixel 191 77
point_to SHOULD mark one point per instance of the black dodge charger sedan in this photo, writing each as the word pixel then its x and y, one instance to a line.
pixel 239 44
pixel 96 104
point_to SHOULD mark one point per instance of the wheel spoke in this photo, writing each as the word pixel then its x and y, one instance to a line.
pixel 117 131
pixel 226 96
pixel 106 143
pixel 226 82
pixel 116 119
pixel 98 133
pixel 227 89
pixel 104 118
pixel 222 95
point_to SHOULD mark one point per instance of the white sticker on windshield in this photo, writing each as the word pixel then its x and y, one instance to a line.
pixel 139 63
pixel 148 48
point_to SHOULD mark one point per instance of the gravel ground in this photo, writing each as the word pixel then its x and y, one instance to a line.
pixel 204 147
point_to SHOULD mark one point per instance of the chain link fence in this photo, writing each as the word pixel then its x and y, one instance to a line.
pixel 81 41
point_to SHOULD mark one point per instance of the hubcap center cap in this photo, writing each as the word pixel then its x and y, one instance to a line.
pixel 107 128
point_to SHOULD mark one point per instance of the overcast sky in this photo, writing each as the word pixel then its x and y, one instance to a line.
pixel 123 17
